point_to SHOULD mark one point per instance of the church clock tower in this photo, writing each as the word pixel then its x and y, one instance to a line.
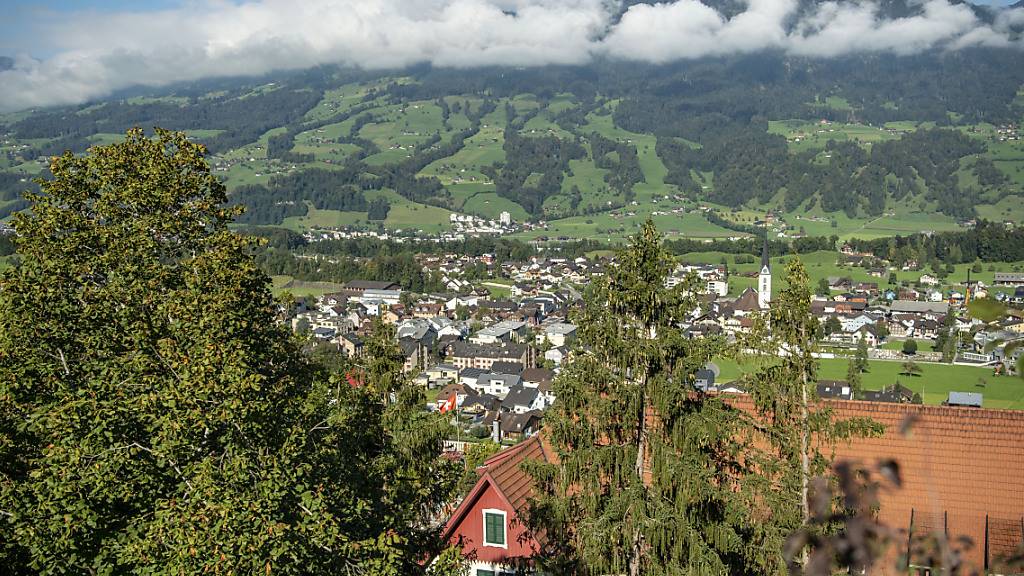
pixel 764 279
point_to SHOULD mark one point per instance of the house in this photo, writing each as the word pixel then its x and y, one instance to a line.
pixel 521 399
pixel 834 389
pixel 374 297
pixel 504 331
pixel 1008 279
pixel 502 367
pixel 479 403
pixel 323 333
pixel 442 371
pixel 968 399
pixel 917 307
pixel 704 379
pixel 358 287
pixel 558 334
pixel 459 390
pixel 512 426
pixel 469 376
pixel 351 345
pixel 496 384
pixel 556 356
pixel 486 523
pixel 928 280
pixel 534 377
pixel 473 355
pixel 415 354
pixel 896 394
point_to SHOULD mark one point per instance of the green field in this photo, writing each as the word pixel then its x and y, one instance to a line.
pixel 934 383
pixel 806 135
pixel 986 310
pixel 301 288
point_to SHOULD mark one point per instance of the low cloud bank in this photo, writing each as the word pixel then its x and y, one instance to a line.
pixel 100 53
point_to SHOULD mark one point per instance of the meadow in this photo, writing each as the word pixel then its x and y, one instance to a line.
pixel 301 288
pixel 934 383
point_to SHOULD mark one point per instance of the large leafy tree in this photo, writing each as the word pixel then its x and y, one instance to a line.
pixel 651 472
pixel 155 418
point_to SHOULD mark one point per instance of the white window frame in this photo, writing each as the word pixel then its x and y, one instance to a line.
pixel 504 523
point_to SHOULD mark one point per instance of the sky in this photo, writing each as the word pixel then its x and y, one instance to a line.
pixel 69 52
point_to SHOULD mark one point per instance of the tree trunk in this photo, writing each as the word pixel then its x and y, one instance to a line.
pixel 805 465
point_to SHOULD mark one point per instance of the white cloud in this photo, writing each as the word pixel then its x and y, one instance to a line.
pixel 99 53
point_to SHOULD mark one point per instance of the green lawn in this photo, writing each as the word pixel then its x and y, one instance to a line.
pixel 986 310
pixel 282 284
pixel 934 383
pixel 806 135
pixel 922 345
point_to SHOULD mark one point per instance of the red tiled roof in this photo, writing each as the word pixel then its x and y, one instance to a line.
pixel 959 466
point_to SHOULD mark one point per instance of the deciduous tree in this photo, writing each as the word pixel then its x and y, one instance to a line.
pixel 154 416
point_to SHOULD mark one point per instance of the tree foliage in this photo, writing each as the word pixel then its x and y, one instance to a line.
pixel 155 418
pixel 794 429
pixel 629 425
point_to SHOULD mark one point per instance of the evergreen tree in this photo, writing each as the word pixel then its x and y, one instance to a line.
pixel 861 357
pixel 783 389
pixel 650 478
pixel 946 339
pixel 154 416
pixel 853 378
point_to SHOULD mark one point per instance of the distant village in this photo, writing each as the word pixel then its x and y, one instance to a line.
pixel 490 349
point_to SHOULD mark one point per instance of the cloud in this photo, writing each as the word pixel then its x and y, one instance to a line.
pixel 95 54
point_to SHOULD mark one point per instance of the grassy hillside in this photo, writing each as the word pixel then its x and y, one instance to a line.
pixel 369 121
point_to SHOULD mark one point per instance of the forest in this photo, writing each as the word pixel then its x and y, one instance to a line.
pixel 987 242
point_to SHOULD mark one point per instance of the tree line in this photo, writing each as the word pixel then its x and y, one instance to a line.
pixel 986 241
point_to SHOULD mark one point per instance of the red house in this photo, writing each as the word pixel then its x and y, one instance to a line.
pixel 486 523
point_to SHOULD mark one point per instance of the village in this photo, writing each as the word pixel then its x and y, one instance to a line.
pixel 489 349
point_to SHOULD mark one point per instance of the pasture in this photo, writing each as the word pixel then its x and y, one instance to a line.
pixel 934 383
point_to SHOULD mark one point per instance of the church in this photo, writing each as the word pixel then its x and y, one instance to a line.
pixel 751 301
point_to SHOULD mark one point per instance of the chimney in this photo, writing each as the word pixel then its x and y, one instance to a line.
pixel 496 429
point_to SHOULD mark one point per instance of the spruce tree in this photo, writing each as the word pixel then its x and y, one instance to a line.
pixel 651 472
pixel 862 354
pixel 155 418
pixel 792 425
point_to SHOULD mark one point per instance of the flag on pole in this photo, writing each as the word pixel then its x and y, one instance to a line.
pixel 449 404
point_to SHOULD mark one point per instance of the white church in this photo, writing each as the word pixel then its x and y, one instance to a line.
pixel 752 301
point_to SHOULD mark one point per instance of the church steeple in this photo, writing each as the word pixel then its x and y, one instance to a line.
pixel 764 279
pixel 765 263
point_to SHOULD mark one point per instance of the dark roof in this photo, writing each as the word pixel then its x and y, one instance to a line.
pixel 473 350
pixel 834 389
pixel 510 423
pixel 747 301
pixel 897 393
pixel 487 401
pixel 765 261
pixel 537 375
pixel 705 378
pixel 471 372
pixel 520 395
pixel 504 367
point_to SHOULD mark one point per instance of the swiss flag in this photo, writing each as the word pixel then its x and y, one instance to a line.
pixel 449 404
